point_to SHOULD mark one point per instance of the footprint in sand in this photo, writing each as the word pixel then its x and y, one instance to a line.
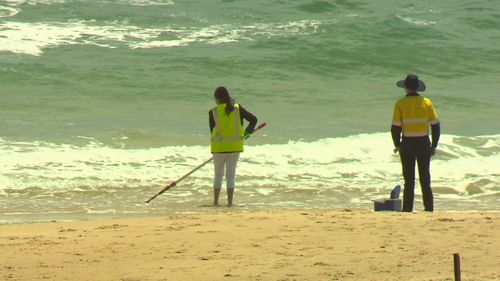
pixel 174 228
pixel 113 226
pixel 67 230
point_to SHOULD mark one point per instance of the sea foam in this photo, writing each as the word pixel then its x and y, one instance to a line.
pixel 354 162
pixel 33 38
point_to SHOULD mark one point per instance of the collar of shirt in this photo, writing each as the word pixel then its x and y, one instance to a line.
pixel 412 95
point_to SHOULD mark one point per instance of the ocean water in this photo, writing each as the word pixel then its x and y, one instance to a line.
pixel 104 102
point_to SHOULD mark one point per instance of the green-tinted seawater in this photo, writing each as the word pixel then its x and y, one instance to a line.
pixel 111 97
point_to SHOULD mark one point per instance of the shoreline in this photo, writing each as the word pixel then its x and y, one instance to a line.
pixel 16 219
pixel 228 244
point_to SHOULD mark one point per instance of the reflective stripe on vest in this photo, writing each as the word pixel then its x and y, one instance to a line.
pixel 226 139
pixel 215 113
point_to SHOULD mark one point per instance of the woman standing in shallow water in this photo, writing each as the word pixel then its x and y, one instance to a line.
pixel 227 140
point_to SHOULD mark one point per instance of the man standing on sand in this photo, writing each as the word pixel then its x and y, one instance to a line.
pixel 412 116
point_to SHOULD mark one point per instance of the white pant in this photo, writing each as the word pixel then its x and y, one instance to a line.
pixel 227 161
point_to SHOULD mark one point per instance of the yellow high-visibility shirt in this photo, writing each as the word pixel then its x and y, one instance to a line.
pixel 414 114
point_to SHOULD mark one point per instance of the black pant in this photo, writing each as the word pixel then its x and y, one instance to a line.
pixel 416 148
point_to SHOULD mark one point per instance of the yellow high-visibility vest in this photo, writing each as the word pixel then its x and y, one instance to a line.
pixel 414 114
pixel 227 136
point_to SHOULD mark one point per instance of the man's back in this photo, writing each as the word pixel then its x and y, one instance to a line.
pixel 414 113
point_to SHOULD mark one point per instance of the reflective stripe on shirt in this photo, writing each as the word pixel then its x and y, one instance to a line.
pixel 415 134
pixel 415 121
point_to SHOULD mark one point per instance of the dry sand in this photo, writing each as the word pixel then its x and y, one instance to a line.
pixel 234 245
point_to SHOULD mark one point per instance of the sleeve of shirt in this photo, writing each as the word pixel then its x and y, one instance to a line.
pixel 436 132
pixel 433 117
pixel 252 120
pixel 396 116
pixel 396 135
pixel 211 121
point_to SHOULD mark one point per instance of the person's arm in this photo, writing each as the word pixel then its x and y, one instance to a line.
pixel 396 135
pixel 211 121
pixel 252 120
pixel 435 127
pixel 396 127
pixel 436 133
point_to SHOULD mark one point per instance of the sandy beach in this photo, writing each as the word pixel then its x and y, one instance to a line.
pixel 276 245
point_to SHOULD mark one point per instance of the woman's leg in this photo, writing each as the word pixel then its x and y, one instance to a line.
pixel 219 161
pixel 231 162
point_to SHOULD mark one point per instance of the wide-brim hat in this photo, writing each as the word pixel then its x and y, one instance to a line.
pixel 412 82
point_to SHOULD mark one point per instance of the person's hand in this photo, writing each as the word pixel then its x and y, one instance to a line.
pixel 396 149
pixel 433 151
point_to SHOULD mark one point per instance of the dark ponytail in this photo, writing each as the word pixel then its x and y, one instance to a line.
pixel 223 96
